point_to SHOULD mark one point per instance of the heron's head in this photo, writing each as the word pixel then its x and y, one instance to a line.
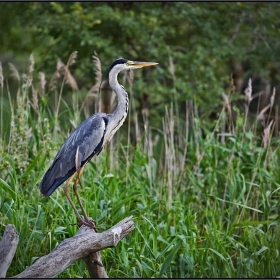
pixel 123 64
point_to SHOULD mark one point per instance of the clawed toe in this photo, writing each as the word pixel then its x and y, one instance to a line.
pixel 86 222
pixel 90 224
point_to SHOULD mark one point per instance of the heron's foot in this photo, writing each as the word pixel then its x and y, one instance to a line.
pixel 88 222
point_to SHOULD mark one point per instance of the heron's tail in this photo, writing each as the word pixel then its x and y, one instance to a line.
pixel 50 183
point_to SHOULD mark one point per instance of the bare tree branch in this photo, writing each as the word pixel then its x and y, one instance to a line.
pixel 84 245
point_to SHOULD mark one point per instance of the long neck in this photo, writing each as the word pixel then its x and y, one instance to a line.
pixel 118 116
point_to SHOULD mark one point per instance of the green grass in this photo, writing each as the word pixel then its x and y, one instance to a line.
pixel 205 200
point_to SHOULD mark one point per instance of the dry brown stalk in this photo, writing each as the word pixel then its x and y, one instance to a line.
pixel 261 115
pixel 94 91
pixel 98 76
pixel 34 102
pixel 97 63
pixel 168 129
pixel 171 67
pixel 1 76
pixel 42 84
pixel 266 134
pixel 248 91
pixel 63 71
pixel 130 78
pixel 272 98
pixel 227 105
pixel 14 71
pixel 69 79
pixel 57 74
pixel 72 58
pixel 31 64
pixel 231 85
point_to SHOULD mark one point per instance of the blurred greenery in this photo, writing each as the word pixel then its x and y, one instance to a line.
pixel 206 42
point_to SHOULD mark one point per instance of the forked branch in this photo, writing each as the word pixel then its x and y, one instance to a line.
pixel 86 245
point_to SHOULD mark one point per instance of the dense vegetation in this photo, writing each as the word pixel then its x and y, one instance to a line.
pixel 201 44
pixel 197 171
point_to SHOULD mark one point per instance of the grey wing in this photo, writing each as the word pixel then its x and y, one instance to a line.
pixel 81 145
pixel 87 139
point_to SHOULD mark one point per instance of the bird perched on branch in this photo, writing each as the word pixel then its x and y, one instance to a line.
pixel 87 140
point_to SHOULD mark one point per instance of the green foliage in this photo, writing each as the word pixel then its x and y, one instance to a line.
pixel 204 41
pixel 205 201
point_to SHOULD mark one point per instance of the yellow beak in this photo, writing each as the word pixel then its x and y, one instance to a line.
pixel 138 64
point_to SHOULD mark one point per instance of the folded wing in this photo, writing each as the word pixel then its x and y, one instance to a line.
pixel 81 145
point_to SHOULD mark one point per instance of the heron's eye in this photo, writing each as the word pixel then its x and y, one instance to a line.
pixel 129 63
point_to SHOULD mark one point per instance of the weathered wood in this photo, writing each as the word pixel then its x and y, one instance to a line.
pixel 84 245
pixel 8 246
pixel 94 266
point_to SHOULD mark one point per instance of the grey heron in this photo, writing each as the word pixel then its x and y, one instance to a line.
pixel 87 140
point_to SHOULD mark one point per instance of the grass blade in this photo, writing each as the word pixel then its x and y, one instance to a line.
pixel 8 189
pixel 169 258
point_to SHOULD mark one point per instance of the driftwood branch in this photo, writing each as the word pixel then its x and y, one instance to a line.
pixel 8 246
pixel 94 265
pixel 86 245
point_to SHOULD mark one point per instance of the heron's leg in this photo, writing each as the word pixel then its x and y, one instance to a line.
pixel 75 188
pixel 66 191
pixel 87 221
